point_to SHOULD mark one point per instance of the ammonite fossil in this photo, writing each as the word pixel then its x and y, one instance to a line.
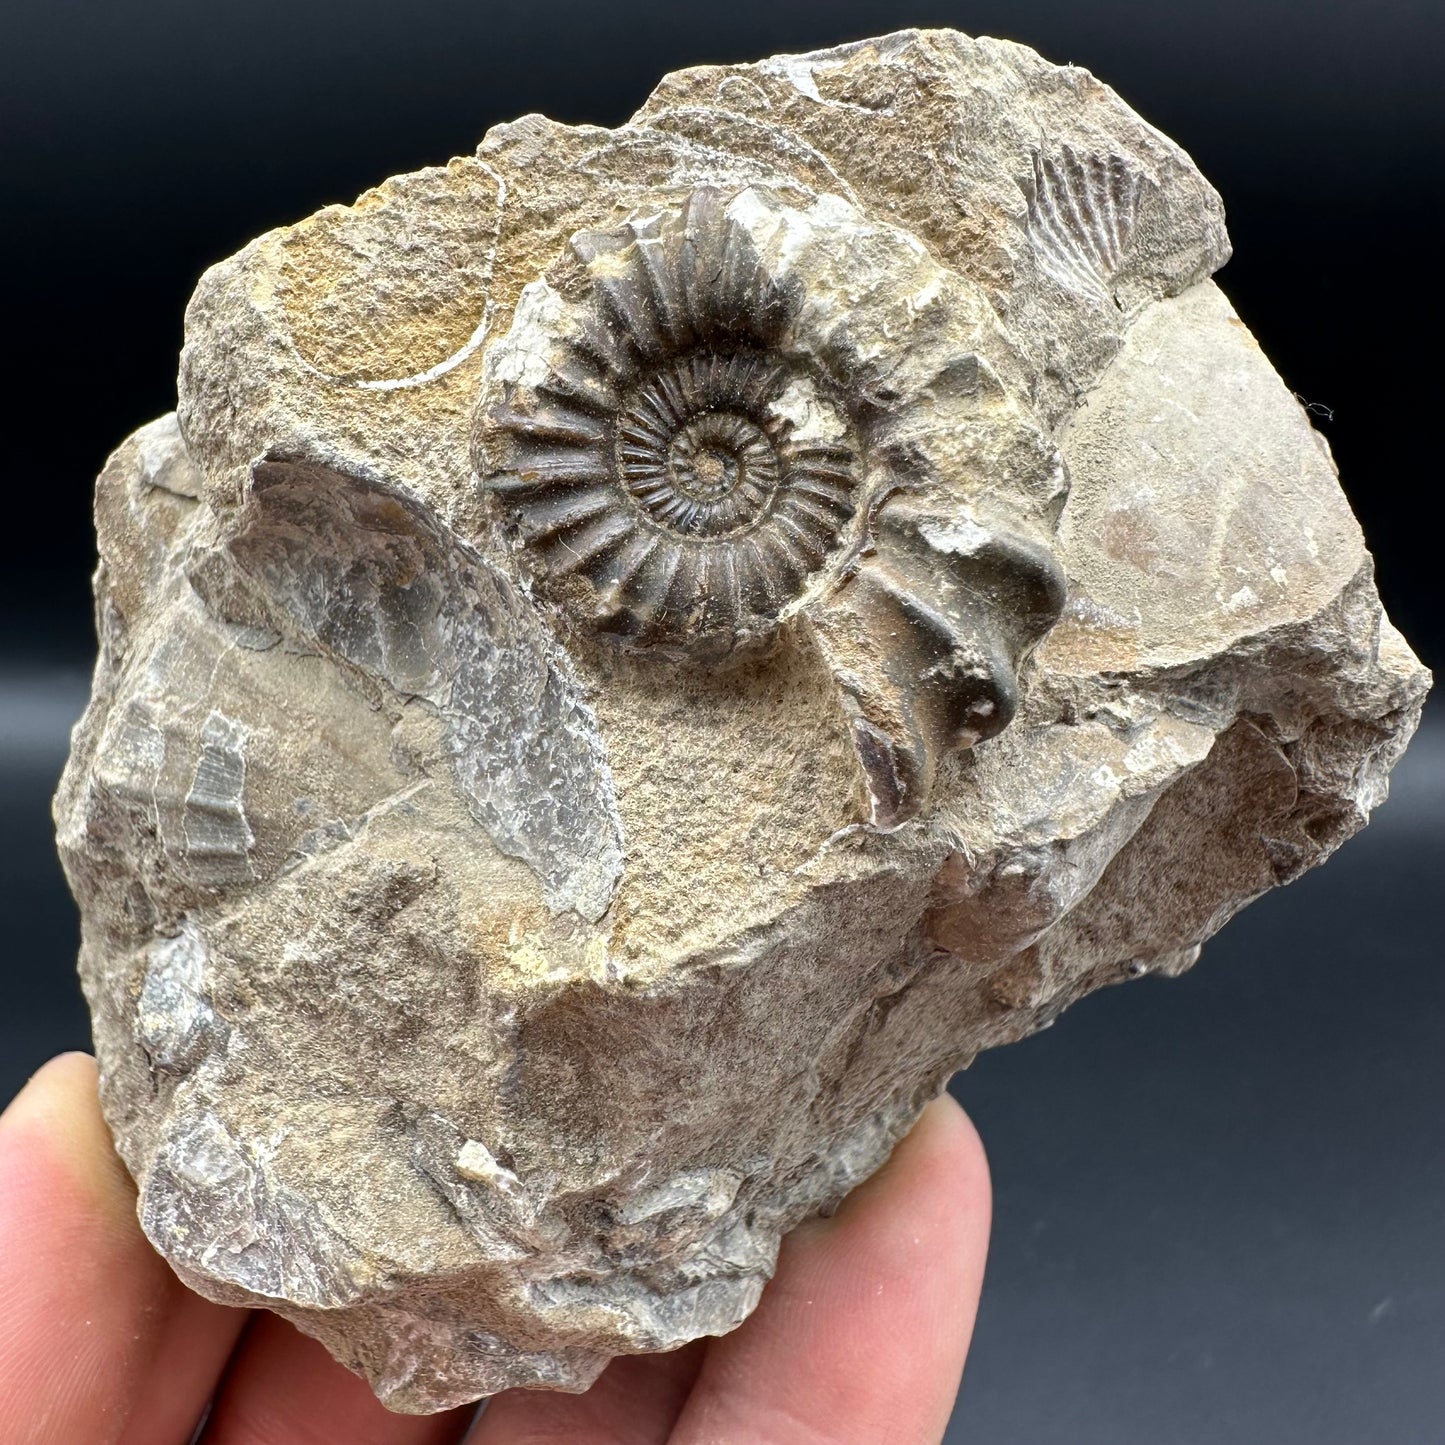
pixel 537 826
pixel 678 478
pixel 729 412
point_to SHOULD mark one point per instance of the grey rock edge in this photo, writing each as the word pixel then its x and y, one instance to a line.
pixel 488 998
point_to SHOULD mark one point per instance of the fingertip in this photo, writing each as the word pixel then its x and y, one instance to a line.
pixel 862 1334
pixel 945 1127
pixel 938 1167
pixel 87 1309
pixel 53 1135
pixel 945 1144
pixel 63 1077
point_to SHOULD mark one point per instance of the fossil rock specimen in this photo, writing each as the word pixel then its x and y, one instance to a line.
pixel 641 652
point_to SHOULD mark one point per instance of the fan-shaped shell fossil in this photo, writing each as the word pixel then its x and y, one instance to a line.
pixel 676 479
pixel 1082 210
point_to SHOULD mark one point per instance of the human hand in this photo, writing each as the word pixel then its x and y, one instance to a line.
pixel 859 1339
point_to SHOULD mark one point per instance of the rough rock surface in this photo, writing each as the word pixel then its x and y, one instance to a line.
pixel 641 652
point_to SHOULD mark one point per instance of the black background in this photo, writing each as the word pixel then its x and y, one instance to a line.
pixel 1219 1200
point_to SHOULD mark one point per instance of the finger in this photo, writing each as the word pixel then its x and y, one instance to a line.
pixel 862 1333
pixel 635 1401
pixel 282 1388
pixel 99 1341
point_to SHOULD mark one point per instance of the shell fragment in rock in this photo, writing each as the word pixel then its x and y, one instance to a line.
pixel 1082 210
pixel 641 652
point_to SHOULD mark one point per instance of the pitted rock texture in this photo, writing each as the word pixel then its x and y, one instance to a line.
pixel 641 652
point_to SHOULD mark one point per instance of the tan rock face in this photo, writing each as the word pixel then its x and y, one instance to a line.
pixel 642 652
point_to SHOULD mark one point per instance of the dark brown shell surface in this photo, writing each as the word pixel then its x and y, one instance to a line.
pixel 653 473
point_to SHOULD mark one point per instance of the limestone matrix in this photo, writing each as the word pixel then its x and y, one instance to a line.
pixel 641 652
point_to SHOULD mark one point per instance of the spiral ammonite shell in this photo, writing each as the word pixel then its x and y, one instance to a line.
pixel 739 408
pixel 675 479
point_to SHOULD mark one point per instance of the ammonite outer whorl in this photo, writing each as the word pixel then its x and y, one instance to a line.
pixel 676 478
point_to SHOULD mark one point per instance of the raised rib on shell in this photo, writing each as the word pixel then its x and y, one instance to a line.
pixel 1081 217
pixel 651 468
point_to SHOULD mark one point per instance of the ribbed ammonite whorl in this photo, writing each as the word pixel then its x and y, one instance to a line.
pixel 677 481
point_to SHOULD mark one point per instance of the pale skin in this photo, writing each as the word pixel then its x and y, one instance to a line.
pixel 859 1340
